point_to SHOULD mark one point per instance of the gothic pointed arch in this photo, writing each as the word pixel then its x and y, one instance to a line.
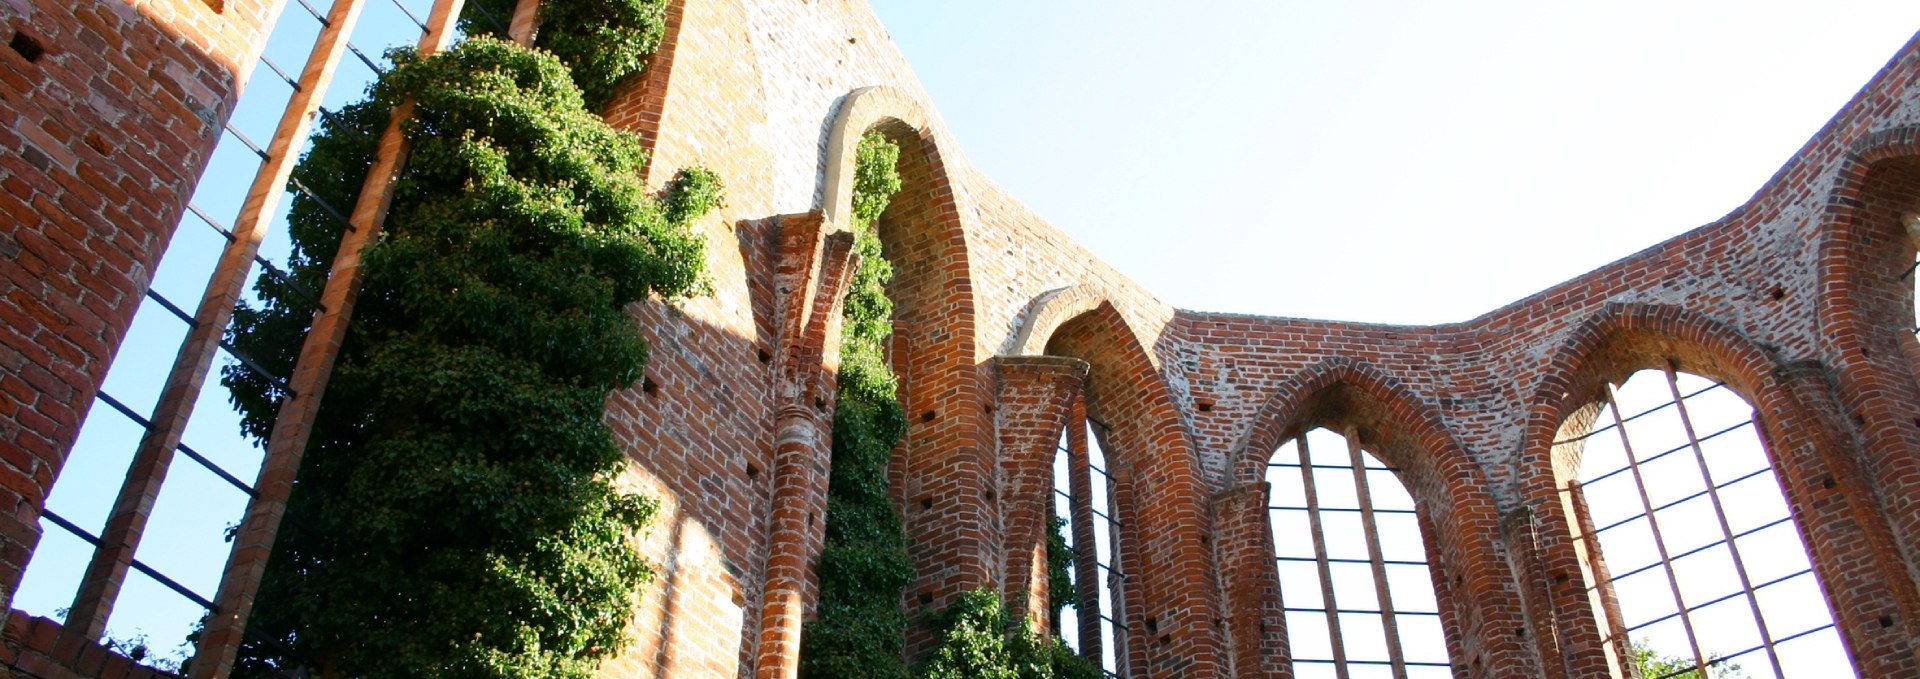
pixel 1484 623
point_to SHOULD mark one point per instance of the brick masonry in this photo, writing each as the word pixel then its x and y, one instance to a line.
pixel 1795 299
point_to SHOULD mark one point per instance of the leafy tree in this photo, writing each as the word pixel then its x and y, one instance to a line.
pixel 456 513
pixel 1060 590
pixel 1654 665
pixel 603 42
pixel 979 640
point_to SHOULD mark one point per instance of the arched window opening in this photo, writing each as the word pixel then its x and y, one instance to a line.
pixel 1691 555
pixel 1354 575
pixel 1911 222
pixel 1083 496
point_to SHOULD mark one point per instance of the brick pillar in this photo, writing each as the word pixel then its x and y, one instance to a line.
pixel 1036 397
pixel 1086 567
pixel 1256 620
pixel 798 530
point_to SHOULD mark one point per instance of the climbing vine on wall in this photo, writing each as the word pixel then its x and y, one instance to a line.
pixel 457 513
pixel 603 42
pixel 860 628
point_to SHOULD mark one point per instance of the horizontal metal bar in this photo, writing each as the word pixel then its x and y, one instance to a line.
pixel 1350 661
pixel 316 13
pixel 1389 562
pixel 1684 446
pixel 363 59
pixel 1697 550
pixel 1674 503
pixel 237 134
pixel 338 216
pixel 1716 600
pixel 497 26
pixel 1396 611
pixel 1375 510
pixel 295 84
pixel 91 539
pixel 216 469
pixel 1296 465
pixel 1641 414
pixel 409 13
pixel 231 351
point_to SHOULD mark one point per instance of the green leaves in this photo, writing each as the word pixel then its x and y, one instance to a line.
pixel 861 629
pixel 980 640
pixel 456 513
pixel 604 42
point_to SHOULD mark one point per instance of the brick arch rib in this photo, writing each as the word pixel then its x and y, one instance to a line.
pixel 1849 543
pixel 1171 603
pixel 1484 623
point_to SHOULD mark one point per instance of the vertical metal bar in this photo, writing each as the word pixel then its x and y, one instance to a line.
pixel 127 522
pixel 253 542
pixel 1086 552
pixel 1653 525
pixel 1602 576
pixel 526 22
pixel 1320 559
pixel 1720 513
pixel 1395 654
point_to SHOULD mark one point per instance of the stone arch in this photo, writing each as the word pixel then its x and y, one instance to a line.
pixel 1051 309
pixel 1849 544
pixel 1866 297
pixel 942 472
pixel 1484 625
pixel 1160 496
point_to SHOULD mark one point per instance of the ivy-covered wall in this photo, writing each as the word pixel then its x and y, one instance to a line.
pixel 456 513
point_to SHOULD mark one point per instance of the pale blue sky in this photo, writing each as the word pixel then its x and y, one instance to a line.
pixel 1408 162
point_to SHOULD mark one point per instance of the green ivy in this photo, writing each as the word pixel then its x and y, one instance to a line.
pixel 979 640
pixel 860 628
pixel 456 513
pixel 603 42
pixel 1060 591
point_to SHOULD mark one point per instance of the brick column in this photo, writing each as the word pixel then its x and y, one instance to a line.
pixel 800 466
pixel 1086 553
pixel 1036 397
pixel 1256 619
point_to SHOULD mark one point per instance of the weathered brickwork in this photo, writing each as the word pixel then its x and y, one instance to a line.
pixel 1797 300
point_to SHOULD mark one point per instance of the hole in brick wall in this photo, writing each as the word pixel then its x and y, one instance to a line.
pixel 1205 406
pixel 1520 632
pixel 648 386
pixel 765 356
pixel 988 407
pixel 1779 294
pixel 1916 421
pixel 819 403
pixel 1825 481
pixel 990 496
pixel 810 519
pixel 926 598
pixel 926 416
pixel 27 46
pixel 1886 621
pixel 1153 625
pixel 1859 420
pixel 753 471
pixel 1560 579
pixel 926 503
pixel 1166 640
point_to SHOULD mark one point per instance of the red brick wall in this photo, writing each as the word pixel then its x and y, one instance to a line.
pixel 1794 299
pixel 101 138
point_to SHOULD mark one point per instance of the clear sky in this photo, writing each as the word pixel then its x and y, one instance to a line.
pixel 1405 162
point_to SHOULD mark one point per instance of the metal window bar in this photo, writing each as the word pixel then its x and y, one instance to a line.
pixel 1375 510
pixel 1638 415
pixel 253 541
pixel 159 577
pixel 268 266
pixel 1325 568
pixel 264 59
pixel 410 16
pixel 1730 429
pixel 1730 656
pixel 244 359
pixel 1690 552
pixel 1672 503
pixel 1373 663
pixel 182 447
pixel 1390 562
pixel 1659 541
pixel 1312 609
pixel 1684 610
